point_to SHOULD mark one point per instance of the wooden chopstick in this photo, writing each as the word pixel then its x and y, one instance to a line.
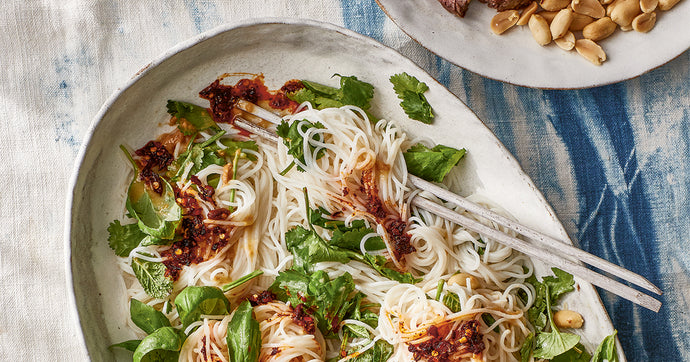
pixel 577 269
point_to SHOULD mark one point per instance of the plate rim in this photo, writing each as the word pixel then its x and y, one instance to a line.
pixel 76 171
pixel 488 75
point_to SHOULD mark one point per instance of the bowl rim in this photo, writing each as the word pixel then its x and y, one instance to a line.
pixel 193 41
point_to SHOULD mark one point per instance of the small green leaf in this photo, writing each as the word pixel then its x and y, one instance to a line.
pixel 575 354
pixel 157 215
pixel 244 335
pixel 489 320
pixel 163 345
pixel 380 352
pixel 606 351
pixel 124 238
pixel 452 301
pixel 290 133
pixel 411 91
pixel 352 91
pixel 146 317
pixel 198 118
pixel 527 348
pixel 194 301
pixel 152 277
pixel 550 344
pixel 432 164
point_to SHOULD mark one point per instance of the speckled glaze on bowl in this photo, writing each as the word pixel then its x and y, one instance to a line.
pixel 281 50
pixel 514 57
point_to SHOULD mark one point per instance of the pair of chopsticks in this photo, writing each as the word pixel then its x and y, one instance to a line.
pixel 542 247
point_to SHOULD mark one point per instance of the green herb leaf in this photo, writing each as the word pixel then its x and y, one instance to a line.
pixel 380 352
pixel 559 284
pixel 452 301
pixel 550 344
pixel 130 345
pixel 194 301
pixel 204 154
pixel 378 262
pixel 432 164
pixel 244 335
pixel 411 91
pixel 124 238
pixel 489 320
pixel 309 248
pixel 236 283
pixel 146 317
pixel 197 118
pixel 152 277
pixel 606 351
pixel 527 348
pixel 347 237
pixel 352 92
pixel 233 146
pixel 329 300
pixel 157 215
pixel 163 345
pixel 295 142
pixel 575 354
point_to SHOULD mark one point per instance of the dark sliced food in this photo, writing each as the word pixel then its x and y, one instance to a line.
pixel 457 7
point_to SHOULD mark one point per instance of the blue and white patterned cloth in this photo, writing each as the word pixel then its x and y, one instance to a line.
pixel 612 160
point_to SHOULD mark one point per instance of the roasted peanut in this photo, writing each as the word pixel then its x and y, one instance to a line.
pixel 504 21
pixel 580 21
pixel 540 29
pixel 647 6
pixel 599 29
pixel 524 17
pixel 605 2
pixel 568 319
pixel 590 51
pixel 547 15
pixel 644 22
pixel 667 4
pixel 560 23
pixel 461 279
pixel 588 7
pixel 553 5
pixel 625 11
pixel 566 42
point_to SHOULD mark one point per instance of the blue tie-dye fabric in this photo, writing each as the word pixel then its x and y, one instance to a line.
pixel 622 192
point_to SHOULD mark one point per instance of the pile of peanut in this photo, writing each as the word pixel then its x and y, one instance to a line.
pixel 560 20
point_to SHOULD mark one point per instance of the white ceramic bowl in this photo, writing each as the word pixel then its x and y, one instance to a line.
pixel 281 50
pixel 514 57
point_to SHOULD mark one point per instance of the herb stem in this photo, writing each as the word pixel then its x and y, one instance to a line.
pixel 288 168
pixel 236 283
pixel 131 160
pixel 439 289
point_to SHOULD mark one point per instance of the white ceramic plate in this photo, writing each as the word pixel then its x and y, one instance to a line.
pixel 282 50
pixel 515 57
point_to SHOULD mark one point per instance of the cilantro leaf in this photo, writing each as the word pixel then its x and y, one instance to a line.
pixel 190 117
pixel 527 348
pixel 378 263
pixel 606 351
pixel 562 282
pixel 556 285
pixel 411 91
pixel 355 92
pixel 548 345
pixel 124 238
pixel 347 237
pixel 152 277
pixel 329 301
pixel 290 133
pixel 432 164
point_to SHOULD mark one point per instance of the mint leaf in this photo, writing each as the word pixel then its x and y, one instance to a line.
pixel 378 262
pixel 309 248
pixel 152 277
pixel 380 352
pixel 527 348
pixel 124 238
pixel 411 91
pixel 606 351
pixel 432 164
pixel 190 118
pixel 452 301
